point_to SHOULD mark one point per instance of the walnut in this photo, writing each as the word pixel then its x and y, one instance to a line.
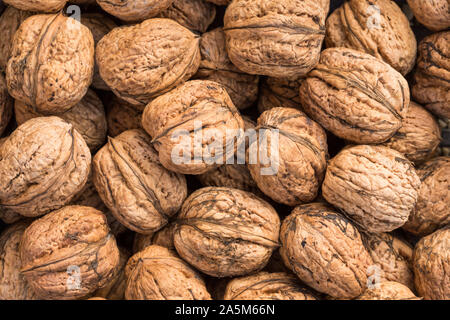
pixel 122 116
pixel 355 96
pixel 389 291
pixel 375 186
pixel 267 286
pixel 13 286
pixel 134 10
pixel 216 66
pixel 44 164
pixel 277 93
pixel 444 148
pixel 432 208
pixel 156 273
pixel 435 15
pixel 432 86
pixel 419 137
pixel 377 27
pixel 37 5
pixel 275 38
pixel 174 119
pixel 6 104
pixel 431 265
pixel 139 191
pixel 163 238
pixel 8 216
pixel 295 171
pixel 220 2
pixel 325 250
pixel 142 61
pixel 87 117
pixel 68 253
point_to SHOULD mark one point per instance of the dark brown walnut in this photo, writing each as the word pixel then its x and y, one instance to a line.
pixel 275 38
pixel 216 66
pixel 389 291
pixel 434 14
pixel 139 191
pixel 51 64
pixel 220 2
pixel 267 286
pixel 325 250
pixel 375 186
pixel 276 263
pixel 226 232
pixel 197 110
pixel 432 209
pixel 443 150
pixel 431 265
pixel 69 253
pixel 13 285
pixel 377 27
pixel 392 257
pixel 44 164
pixel 37 5
pixel 163 238
pixel 276 93
pixel 134 10
pixel 142 61
pixel 6 105
pixel 432 77
pixel 87 117
pixel 8 216
pixel 297 152
pixel 122 116
pixel 195 15
pixel 355 96
pixel 157 273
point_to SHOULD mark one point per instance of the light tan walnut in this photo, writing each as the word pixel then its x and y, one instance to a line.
pixel 134 10
pixel 38 5
pixel 389 291
pixel 433 14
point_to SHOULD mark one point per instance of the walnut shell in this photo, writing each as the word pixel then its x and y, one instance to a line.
pixel 220 2
pixel 432 209
pixel 435 14
pixel 8 216
pixel 355 96
pixel 431 265
pixel 37 5
pixel 432 87
pixel 87 117
pixel 297 171
pixel 156 273
pixel 162 238
pixel 44 164
pixel 276 93
pixel 6 104
pixel 134 10
pixel 226 232
pixel 51 64
pixel 375 186
pixel 174 119
pixel 419 137
pixel 377 27
pixel 267 286
pixel 389 291
pixel 139 191
pixel 66 246
pixel 216 66
pixel 142 61
pixel 275 38
pixel 122 116
pixel 325 250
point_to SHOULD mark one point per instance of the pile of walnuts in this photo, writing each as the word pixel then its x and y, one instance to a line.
pixel 225 149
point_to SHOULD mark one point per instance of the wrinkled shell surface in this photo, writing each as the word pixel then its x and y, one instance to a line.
pixel 70 238
pixel 226 232
pixel 375 186
pixel 276 93
pixel 275 38
pixel 134 10
pixel 220 2
pixel 355 96
pixel 325 250
pixel 433 14
pixel 44 163
pixel 389 291
pixel 6 105
pixel 37 5
pixel 157 273
pixel 121 117
pixel 51 64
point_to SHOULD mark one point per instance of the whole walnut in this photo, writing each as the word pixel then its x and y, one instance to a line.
pixel 267 286
pixel 142 61
pixel 44 164
pixel 432 77
pixel 431 265
pixel 434 14
pixel 87 117
pixel 355 96
pixel 275 38
pixel 13 285
pixel 325 250
pixel 297 151
pixel 122 116
pixel 139 191
pixel 220 2
pixel 216 66
pixel 134 10
pixel 226 232
pixel 6 104
pixel 157 273
pixel 37 5
pixel 388 291
pixel 432 209
pixel 194 127
pixel 377 27
pixel 69 253
pixel 51 64
pixel 375 186
pixel 279 92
